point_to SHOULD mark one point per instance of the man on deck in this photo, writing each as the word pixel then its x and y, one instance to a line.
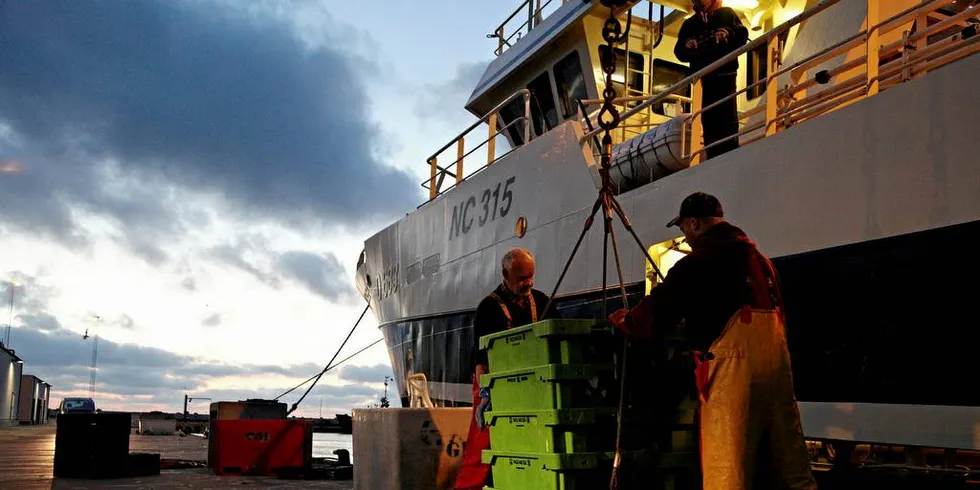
pixel 514 303
pixel 708 36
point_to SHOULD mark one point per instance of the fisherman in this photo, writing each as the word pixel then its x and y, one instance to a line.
pixel 707 36
pixel 728 295
pixel 514 303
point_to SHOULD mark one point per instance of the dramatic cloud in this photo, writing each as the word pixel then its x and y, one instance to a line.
pixel 111 108
pixel 452 93
pixel 212 320
pixel 29 294
pixel 62 358
pixel 249 254
pixel 366 374
pixel 124 321
pixel 323 275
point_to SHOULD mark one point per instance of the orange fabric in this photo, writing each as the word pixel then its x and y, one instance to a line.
pixel 751 434
pixel 473 474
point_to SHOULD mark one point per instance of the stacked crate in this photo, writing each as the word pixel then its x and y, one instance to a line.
pixel 554 392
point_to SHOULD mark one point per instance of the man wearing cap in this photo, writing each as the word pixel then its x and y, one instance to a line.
pixel 728 296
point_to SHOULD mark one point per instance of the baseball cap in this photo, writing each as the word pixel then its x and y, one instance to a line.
pixel 698 205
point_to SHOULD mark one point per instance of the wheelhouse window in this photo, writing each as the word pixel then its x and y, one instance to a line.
pixel 512 113
pixel 570 83
pixel 544 115
pixel 666 74
pixel 757 69
pixel 637 66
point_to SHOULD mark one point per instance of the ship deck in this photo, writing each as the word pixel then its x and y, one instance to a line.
pixel 27 463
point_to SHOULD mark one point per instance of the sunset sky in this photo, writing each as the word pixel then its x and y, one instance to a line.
pixel 193 180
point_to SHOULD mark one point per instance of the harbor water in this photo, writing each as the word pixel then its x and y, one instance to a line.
pixel 325 443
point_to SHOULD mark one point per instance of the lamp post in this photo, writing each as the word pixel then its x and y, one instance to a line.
pixel 10 314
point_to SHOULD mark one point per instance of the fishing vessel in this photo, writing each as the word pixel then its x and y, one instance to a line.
pixel 856 171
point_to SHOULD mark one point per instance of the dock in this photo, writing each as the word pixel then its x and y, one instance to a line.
pixel 27 463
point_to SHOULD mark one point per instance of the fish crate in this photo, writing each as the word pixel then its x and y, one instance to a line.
pixel 552 387
pixel 548 471
pixel 639 470
pixel 553 431
pixel 556 341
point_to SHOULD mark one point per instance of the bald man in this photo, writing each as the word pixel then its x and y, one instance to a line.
pixel 514 303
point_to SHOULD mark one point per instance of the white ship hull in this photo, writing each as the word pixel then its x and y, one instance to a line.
pixel 871 214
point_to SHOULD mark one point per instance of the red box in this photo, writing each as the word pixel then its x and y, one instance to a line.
pixel 260 447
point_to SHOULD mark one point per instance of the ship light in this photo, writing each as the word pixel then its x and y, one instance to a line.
pixel 665 255
pixel 741 4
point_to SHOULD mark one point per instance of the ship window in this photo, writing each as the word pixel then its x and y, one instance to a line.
pixel 637 68
pixel 665 75
pixel 570 84
pixel 543 112
pixel 757 69
pixel 509 113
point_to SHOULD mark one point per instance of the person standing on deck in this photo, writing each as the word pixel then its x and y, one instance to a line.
pixel 729 297
pixel 708 36
pixel 514 303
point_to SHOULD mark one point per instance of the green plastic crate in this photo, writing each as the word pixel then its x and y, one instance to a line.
pixel 514 470
pixel 553 431
pixel 558 341
pixel 552 386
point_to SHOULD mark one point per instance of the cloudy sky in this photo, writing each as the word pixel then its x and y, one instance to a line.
pixel 193 181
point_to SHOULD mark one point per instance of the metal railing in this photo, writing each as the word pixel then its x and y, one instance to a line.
pixel 535 16
pixel 878 68
pixel 437 174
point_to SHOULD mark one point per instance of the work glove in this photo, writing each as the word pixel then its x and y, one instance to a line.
pixel 619 320
pixel 482 407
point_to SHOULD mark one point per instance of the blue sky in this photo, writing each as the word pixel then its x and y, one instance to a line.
pixel 193 181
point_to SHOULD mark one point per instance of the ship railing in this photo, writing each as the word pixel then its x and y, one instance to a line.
pixel 810 93
pixel 532 12
pixel 455 170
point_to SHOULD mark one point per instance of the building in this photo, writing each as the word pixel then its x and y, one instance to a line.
pixel 34 398
pixel 11 368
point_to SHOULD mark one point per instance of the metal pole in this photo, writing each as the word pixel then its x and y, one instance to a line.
pixel 10 315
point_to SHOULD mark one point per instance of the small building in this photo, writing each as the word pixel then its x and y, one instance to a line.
pixel 11 368
pixel 157 423
pixel 35 395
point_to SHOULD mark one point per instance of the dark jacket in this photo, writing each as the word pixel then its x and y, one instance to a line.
pixel 490 317
pixel 708 51
pixel 705 288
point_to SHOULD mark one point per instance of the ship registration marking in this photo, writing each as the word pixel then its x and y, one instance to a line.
pixel 495 202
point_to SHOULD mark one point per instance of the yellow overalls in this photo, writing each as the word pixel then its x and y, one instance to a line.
pixel 751 434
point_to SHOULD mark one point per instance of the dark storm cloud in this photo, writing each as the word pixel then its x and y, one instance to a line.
pixel 321 274
pixel 209 99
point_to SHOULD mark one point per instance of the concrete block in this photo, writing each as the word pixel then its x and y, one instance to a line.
pixel 409 448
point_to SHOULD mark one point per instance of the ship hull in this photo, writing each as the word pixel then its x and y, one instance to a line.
pixel 870 214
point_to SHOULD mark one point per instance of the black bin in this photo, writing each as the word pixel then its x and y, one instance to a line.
pixel 92 445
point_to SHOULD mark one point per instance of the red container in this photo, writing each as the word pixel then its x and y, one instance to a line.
pixel 260 447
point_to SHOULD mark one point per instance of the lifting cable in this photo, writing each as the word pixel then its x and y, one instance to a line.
pixel 294 388
pixel 329 364
pixel 608 118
